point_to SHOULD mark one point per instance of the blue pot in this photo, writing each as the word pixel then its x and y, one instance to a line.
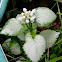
pixel 3 4
pixel 2 55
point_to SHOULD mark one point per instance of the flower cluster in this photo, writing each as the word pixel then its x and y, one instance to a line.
pixel 27 16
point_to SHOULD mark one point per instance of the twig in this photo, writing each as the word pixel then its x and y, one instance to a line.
pixel 48 52
pixel 9 56
pixel 13 10
pixel 14 59
pixel 53 6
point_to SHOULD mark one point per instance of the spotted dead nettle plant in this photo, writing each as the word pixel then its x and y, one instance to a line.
pixel 24 27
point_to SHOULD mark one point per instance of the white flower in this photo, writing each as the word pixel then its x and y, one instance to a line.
pixel 34 48
pixel 32 18
pixel 27 14
pixel 22 14
pixel 29 11
pixel 27 21
pixel 21 18
pixel 32 21
pixel 24 9
pixel 24 17
pixel 33 11
pixel 31 14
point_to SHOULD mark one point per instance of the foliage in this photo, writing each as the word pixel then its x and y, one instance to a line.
pixel 26 41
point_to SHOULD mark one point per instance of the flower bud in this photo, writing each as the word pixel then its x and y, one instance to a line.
pixel 27 21
pixel 24 9
pixel 33 10
pixel 24 17
pixel 22 14
pixel 32 21
pixel 27 13
pixel 31 14
pixel 32 18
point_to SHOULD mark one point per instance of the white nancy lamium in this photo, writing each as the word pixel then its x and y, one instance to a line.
pixel 22 26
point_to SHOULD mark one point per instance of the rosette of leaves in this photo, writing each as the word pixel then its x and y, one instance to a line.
pixel 24 27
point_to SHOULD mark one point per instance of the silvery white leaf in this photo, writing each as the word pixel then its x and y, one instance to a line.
pixel 15 49
pixel 18 15
pixel 13 28
pixel 50 36
pixel 5 45
pixel 21 37
pixel 44 16
pixel 34 48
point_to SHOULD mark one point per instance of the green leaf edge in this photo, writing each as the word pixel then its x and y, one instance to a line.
pixel 20 32
pixel 55 59
pixel 12 43
pixel 38 24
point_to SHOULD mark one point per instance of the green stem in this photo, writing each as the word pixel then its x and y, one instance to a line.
pixel 48 52
pixel 9 56
pixel 55 59
pixel 13 10
pixel 59 12
pixel 14 59
pixel 30 26
pixel 53 6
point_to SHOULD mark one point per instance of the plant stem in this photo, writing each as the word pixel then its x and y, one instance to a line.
pixel 9 56
pixel 53 6
pixel 59 12
pixel 45 58
pixel 15 58
pixel 48 53
pixel 13 10
pixel 55 59
pixel 30 26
